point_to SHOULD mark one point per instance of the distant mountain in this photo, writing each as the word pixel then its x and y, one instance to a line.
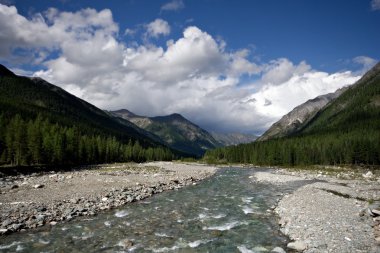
pixel 34 97
pixel 344 131
pixel 178 132
pixel 229 139
pixel 299 116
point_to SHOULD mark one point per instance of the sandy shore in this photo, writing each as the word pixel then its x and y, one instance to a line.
pixel 325 213
pixel 29 201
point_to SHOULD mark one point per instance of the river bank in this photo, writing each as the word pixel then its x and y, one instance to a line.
pixel 328 212
pixel 47 198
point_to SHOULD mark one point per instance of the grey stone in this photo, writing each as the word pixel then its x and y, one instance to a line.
pixel 36 186
pixel 40 217
pixel 368 175
pixel 6 223
pixel 41 209
pixel 4 231
pixel 74 201
pixel 297 245
pixel 376 212
pixel 278 250
pixel 16 227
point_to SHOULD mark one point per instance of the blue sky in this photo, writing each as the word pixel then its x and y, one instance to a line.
pixel 245 62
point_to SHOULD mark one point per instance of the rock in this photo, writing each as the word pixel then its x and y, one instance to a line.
pixel 16 227
pixel 74 201
pixel 369 174
pixel 278 250
pixel 104 199
pixel 4 231
pixel 41 209
pixel 36 186
pixel 126 243
pixel 14 186
pixel 53 223
pixel 6 223
pixel 40 217
pixel 297 245
pixel 376 212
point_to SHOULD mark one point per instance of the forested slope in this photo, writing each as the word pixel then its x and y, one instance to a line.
pixel 41 123
pixel 347 131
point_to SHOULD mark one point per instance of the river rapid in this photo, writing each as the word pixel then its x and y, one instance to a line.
pixel 228 212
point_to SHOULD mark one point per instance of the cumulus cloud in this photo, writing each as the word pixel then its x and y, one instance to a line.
pixel 375 5
pixel 158 27
pixel 193 75
pixel 174 5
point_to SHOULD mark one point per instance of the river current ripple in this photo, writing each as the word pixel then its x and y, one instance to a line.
pixel 225 213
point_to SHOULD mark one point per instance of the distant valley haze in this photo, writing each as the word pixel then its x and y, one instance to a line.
pixel 227 66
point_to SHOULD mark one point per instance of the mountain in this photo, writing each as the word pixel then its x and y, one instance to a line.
pixel 178 132
pixel 34 100
pixel 357 109
pixel 345 131
pixel 229 139
pixel 299 116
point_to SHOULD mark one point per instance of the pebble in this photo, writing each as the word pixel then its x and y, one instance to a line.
pixel 278 250
pixel 36 186
pixel 368 175
pixel 6 223
pixel 3 231
pixel 297 245
pixel 126 243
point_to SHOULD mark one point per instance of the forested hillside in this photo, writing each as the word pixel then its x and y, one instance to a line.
pixel 347 131
pixel 41 123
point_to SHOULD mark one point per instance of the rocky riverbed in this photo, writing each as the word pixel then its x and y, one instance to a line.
pixel 46 198
pixel 329 212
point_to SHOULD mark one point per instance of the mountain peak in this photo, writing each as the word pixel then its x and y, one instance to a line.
pixel 125 113
pixel 4 71
pixel 176 116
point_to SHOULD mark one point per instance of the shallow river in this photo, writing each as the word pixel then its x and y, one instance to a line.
pixel 226 213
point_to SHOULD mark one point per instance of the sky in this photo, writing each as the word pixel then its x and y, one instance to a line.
pixel 228 66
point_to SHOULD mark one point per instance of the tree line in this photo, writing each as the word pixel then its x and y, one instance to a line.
pixel 354 147
pixel 39 141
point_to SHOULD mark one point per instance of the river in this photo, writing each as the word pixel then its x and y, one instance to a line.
pixel 225 213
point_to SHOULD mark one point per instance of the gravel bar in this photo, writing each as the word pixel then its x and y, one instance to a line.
pixel 46 198
pixel 326 213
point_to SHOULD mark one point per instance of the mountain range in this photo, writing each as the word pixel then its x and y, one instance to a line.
pixel 230 139
pixel 175 130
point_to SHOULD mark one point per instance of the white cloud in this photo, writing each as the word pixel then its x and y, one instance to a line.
pixel 158 27
pixel 366 62
pixel 375 5
pixel 278 99
pixel 129 32
pixel 281 70
pixel 194 75
pixel 174 5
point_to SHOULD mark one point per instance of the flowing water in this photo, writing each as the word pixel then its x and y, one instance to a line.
pixel 225 213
